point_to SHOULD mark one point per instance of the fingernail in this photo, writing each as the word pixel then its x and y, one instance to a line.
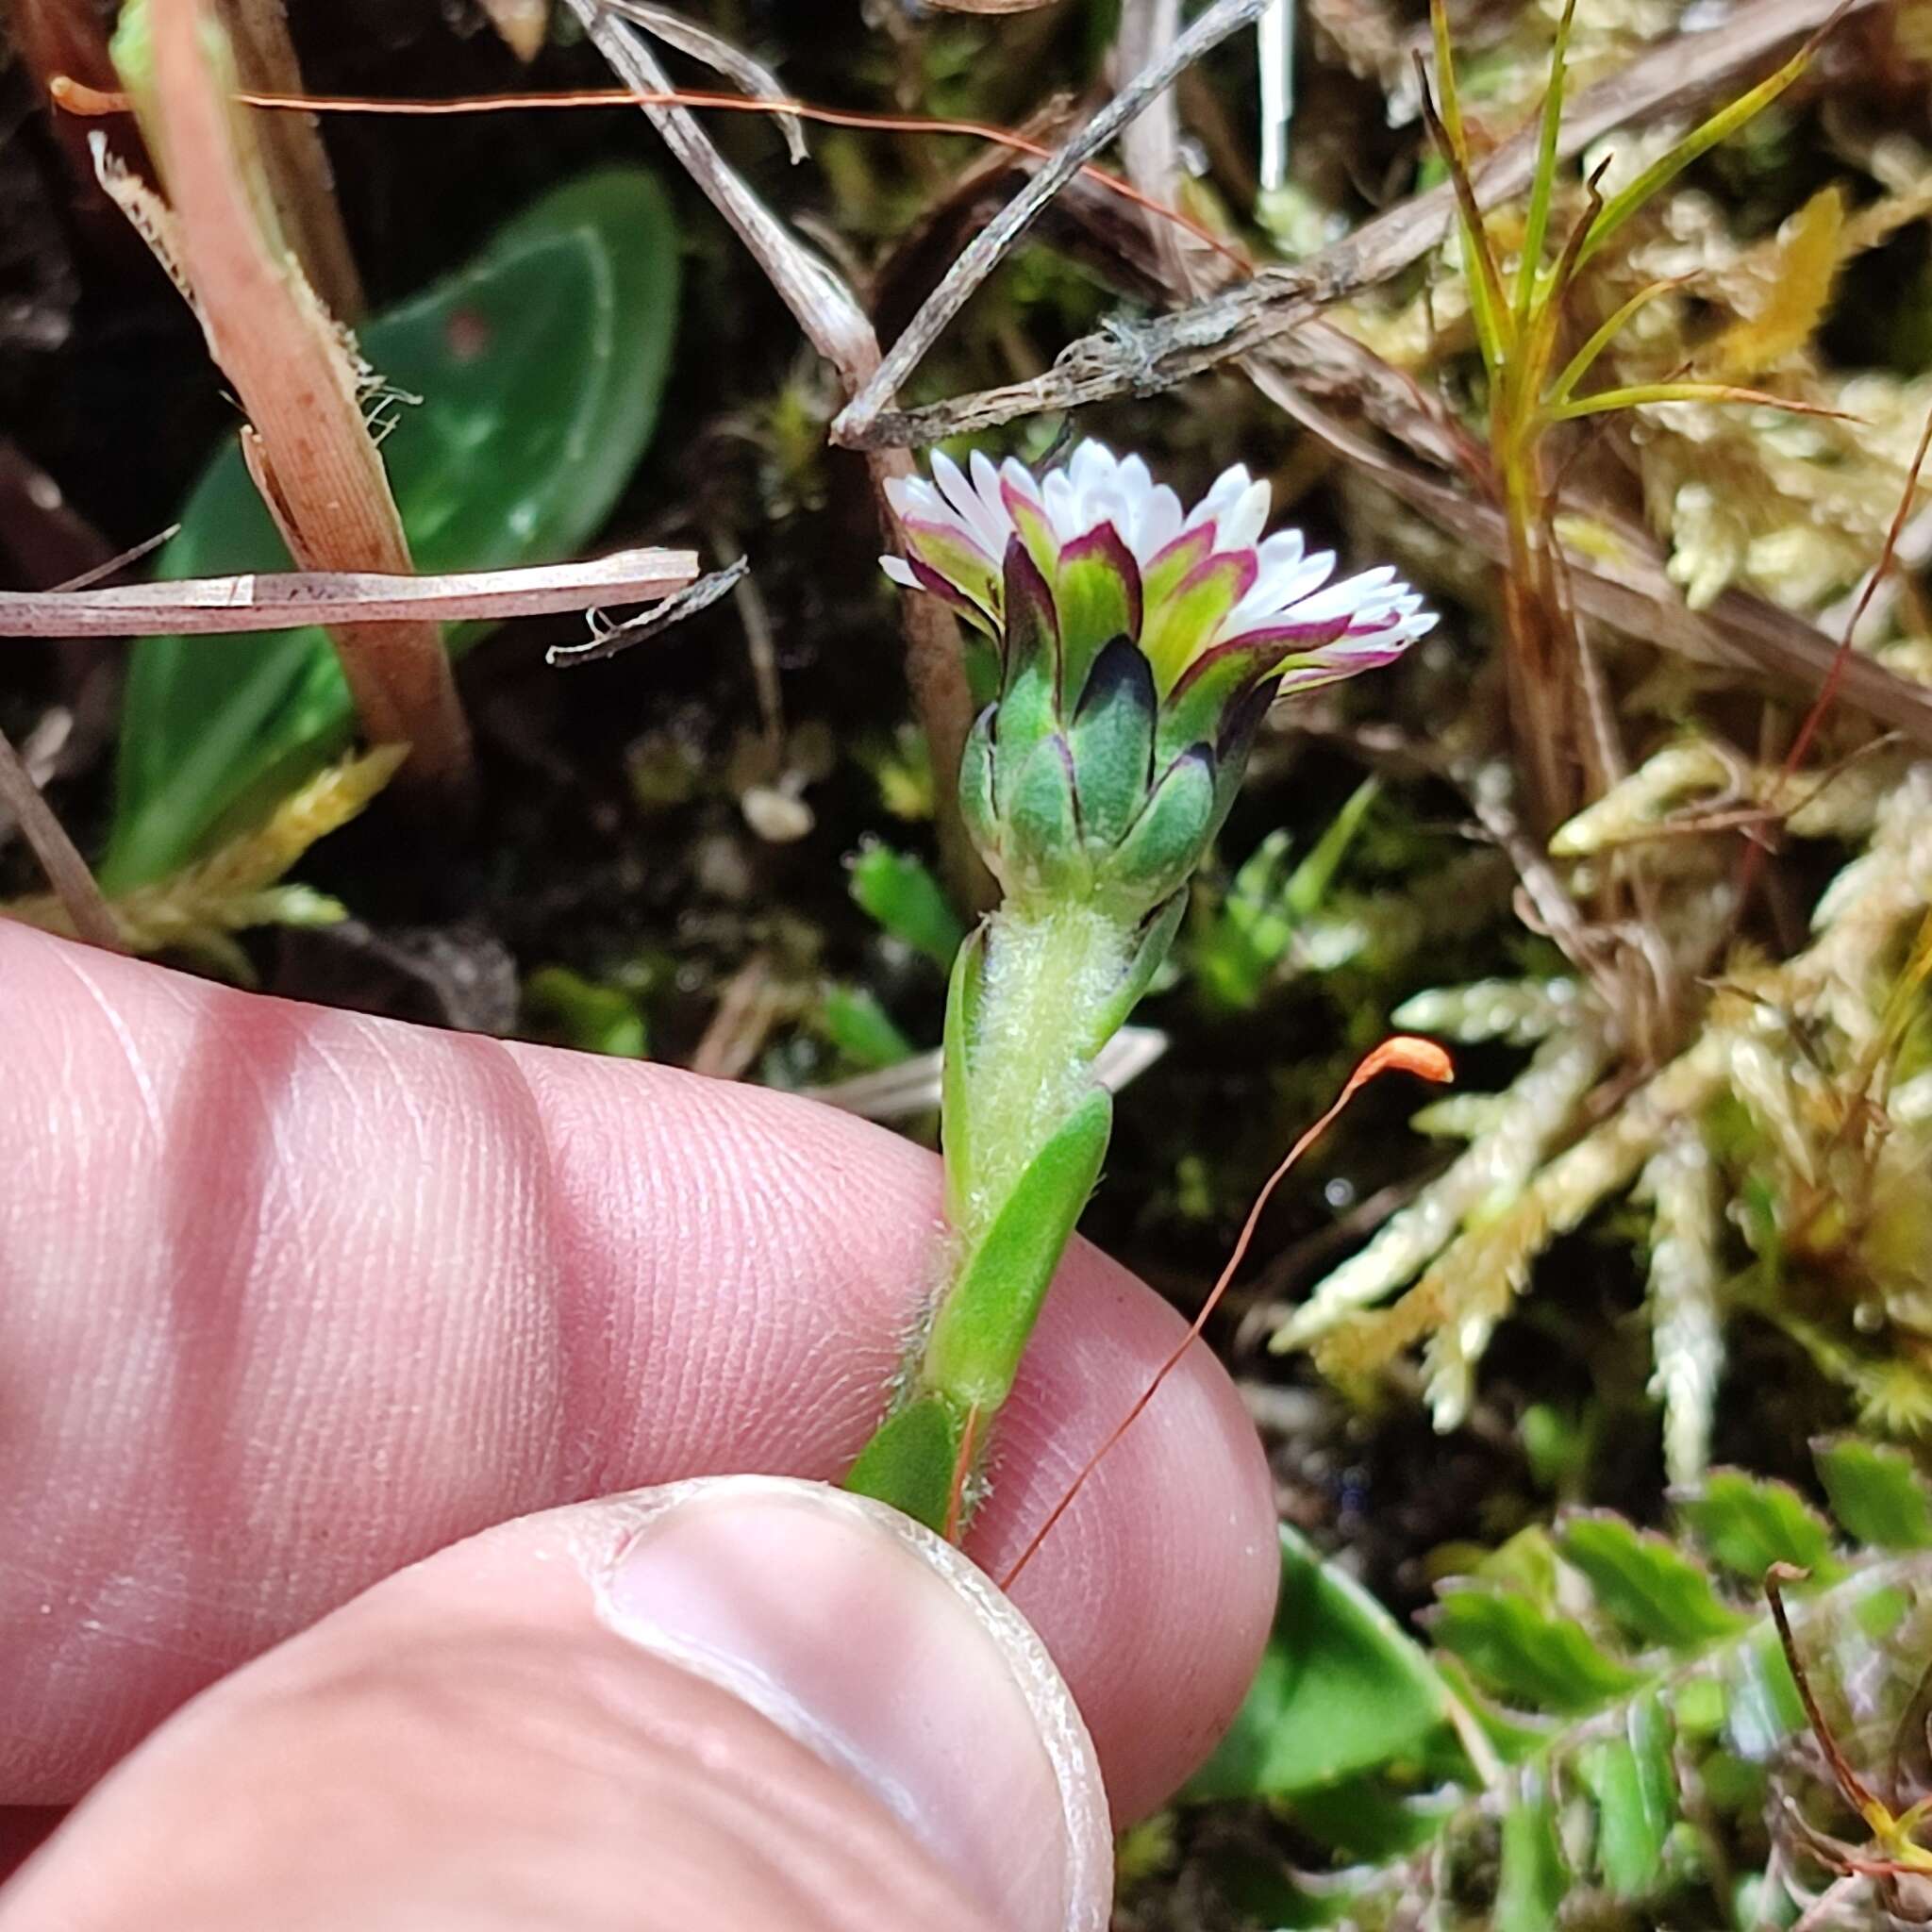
pixel 881 1648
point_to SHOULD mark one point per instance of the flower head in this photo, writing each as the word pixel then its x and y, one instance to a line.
pixel 1199 581
pixel 1133 646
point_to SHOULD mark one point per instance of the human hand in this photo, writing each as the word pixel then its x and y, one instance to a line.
pixel 291 1299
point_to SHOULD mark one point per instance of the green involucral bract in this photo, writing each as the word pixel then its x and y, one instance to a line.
pixel 1134 648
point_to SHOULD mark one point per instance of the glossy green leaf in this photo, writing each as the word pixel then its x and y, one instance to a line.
pixel 1749 1523
pixel 1650 1587
pixel 1342 1689
pixel 899 893
pixel 1875 1493
pixel 1536 1658
pixel 539 367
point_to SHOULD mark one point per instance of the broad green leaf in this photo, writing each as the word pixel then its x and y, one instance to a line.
pixel 1533 1881
pixel 1749 1523
pixel 539 367
pixel 1531 1657
pixel 1653 1591
pixel 1342 1689
pixel 899 894
pixel 1875 1493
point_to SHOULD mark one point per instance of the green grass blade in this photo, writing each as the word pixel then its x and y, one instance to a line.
pixel 1641 392
pixel 1581 363
pixel 1700 140
pixel 1543 185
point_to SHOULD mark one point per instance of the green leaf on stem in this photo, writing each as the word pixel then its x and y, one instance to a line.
pixel 910 1461
pixel 539 367
pixel 902 898
pixel 1749 1523
pixel 1645 1584
pixel 1341 1689
pixel 982 1328
pixel 1875 1493
pixel 961 1026
pixel 1536 1658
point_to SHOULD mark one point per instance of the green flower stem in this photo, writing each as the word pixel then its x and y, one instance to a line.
pixel 1035 994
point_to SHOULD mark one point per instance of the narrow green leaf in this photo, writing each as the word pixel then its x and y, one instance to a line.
pixel 1342 1689
pixel 899 893
pixel 1652 1590
pixel 1640 394
pixel 1537 1659
pixel 1585 358
pixel 1156 941
pixel 540 368
pixel 961 1026
pixel 1542 184
pixel 1749 1523
pixel 982 1326
pixel 1875 1493
pixel 1531 1886
pixel 861 1028
pixel 1700 140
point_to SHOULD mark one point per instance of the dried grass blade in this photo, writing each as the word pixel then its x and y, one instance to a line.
pixel 204 607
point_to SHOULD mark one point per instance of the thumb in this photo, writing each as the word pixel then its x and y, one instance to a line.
pixel 737 1701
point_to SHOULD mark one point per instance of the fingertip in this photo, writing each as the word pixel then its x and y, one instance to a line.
pixel 1156 1588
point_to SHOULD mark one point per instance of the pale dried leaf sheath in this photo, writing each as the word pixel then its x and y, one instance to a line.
pixel 298 382
pixel 201 606
pixel 523 24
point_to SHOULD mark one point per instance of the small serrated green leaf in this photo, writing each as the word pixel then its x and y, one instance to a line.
pixel 1531 1658
pixel 1342 1689
pixel 1875 1493
pixel 1630 1780
pixel 1749 1523
pixel 1534 1880
pixel 1649 1589
pixel 899 893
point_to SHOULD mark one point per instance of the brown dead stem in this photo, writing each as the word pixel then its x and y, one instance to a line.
pixel 293 158
pixel 1277 303
pixel 839 329
pixel 66 870
pixel 298 382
